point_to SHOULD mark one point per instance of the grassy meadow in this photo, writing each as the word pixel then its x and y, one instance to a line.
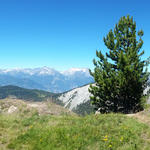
pixel 31 131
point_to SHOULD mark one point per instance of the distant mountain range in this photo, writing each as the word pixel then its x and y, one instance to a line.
pixel 45 78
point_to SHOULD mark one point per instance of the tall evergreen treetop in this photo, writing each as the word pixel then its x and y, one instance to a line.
pixel 121 75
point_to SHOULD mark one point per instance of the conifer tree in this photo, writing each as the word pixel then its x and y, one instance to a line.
pixel 120 75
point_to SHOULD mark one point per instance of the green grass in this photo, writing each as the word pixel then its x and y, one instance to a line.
pixel 101 132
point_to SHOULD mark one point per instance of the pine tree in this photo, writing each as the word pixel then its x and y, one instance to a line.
pixel 120 75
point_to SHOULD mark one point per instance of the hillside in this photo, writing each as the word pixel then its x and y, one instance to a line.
pixel 78 100
pixel 19 107
pixel 29 128
pixel 75 97
pixel 27 94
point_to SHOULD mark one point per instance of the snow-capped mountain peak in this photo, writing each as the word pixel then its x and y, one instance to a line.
pixel 46 71
pixel 31 71
pixel 76 70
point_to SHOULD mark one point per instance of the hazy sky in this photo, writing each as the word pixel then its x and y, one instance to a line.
pixel 63 33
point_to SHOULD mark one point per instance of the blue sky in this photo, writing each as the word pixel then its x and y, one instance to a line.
pixel 62 34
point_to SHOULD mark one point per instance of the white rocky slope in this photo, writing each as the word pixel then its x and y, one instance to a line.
pixel 75 97
pixel 79 96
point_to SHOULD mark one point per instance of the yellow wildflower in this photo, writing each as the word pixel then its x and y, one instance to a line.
pixel 121 139
pixel 110 146
pixel 105 138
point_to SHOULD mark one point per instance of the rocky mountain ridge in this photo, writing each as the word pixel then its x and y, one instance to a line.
pixel 75 97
